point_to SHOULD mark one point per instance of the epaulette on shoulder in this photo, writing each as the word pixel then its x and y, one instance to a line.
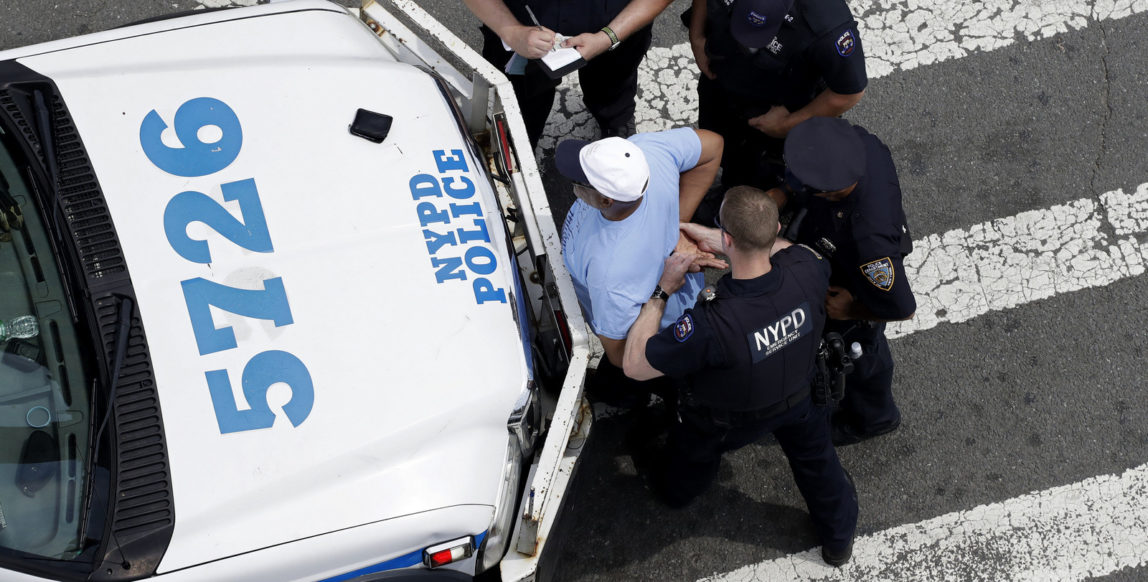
pixel 810 249
pixel 825 15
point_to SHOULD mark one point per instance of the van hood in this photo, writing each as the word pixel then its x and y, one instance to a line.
pixel 382 274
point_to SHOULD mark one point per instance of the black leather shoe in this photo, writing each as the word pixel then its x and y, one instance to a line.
pixel 838 558
pixel 844 434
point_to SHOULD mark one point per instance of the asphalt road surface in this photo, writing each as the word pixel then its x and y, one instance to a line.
pixel 1019 129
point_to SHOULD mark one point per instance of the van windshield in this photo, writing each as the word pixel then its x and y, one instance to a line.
pixel 44 387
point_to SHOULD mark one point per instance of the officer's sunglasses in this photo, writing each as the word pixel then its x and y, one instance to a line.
pixel 717 223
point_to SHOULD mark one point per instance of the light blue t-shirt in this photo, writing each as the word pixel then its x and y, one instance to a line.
pixel 615 265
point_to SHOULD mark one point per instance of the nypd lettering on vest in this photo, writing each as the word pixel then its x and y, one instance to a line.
pixel 770 339
pixel 452 228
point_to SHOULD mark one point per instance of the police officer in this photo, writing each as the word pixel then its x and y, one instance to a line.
pixel 848 202
pixel 747 357
pixel 612 35
pixel 766 66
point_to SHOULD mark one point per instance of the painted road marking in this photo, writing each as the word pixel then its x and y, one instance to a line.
pixel 1067 533
pixel 898 35
pixel 1003 263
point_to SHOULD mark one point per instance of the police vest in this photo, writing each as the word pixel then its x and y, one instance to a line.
pixel 769 338
pixel 768 73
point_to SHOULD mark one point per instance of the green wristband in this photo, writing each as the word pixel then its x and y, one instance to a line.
pixel 614 41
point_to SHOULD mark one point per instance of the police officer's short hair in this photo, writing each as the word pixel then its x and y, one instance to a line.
pixel 749 215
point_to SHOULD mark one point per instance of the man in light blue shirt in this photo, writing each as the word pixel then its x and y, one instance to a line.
pixel 632 194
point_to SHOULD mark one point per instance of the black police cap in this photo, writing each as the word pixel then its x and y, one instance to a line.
pixel 825 153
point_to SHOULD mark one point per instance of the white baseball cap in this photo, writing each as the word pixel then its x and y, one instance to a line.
pixel 613 166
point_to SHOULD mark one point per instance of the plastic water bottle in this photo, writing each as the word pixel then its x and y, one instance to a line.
pixel 24 326
pixel 854 350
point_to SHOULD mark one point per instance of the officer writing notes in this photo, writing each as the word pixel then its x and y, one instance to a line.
pixel 767 65
pixel 747 356
pixel 849 208
pixel 612 35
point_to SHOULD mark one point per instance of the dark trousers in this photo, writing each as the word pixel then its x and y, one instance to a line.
pixel 697 441
pixel 609 82
pixel 868 404
pixel 750 157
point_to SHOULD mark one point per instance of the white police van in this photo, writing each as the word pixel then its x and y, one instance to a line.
pixel 282 302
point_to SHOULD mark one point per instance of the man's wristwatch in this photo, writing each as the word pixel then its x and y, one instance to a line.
pixel 660 293
pixel 614 40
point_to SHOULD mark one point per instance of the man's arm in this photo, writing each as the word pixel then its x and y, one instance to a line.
pixel 532 42
pixel 698 37
pixel 778 121
pixel 636 15
pixel 695 182
pixel 615 348
pixel 635 365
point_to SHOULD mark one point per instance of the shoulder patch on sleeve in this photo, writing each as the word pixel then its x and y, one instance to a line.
pixel 879 273
pixel 846 43
pixel 684 327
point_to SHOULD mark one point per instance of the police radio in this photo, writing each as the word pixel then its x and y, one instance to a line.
pixel 833 364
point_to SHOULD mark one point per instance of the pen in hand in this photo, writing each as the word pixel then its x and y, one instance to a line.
pixel 537 24
pixel 533 18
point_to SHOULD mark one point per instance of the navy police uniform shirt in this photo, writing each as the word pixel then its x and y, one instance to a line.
pixel 754 345
pixel 865 236
pixel 566 17
pixel 817 47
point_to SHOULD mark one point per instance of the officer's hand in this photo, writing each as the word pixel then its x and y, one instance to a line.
pixel 706 238
pixel 839 303
pixel 773 123
pixel 707 261
pixel 590 44
pixel 698 45
pixel 674 272
pixel 532 42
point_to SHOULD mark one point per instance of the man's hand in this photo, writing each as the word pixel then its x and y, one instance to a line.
pixel 774 123
pixel 532 42
pixel 839 303
pixel 707 239
pixel 674 272
pixel 687 246
pixel 590 44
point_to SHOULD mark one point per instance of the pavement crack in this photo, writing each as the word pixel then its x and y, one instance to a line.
pixel 1102 150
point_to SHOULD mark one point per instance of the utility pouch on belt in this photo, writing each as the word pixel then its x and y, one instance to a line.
pixel 833 364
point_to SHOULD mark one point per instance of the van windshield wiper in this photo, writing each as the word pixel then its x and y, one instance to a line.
pixel 48 151
pixel 47 141
pixel 120 337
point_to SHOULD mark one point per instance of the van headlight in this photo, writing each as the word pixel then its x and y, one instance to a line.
pixel 523 425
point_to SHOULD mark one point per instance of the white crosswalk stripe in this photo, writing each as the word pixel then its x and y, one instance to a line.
pixel 1068 533
pixel 1033 255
